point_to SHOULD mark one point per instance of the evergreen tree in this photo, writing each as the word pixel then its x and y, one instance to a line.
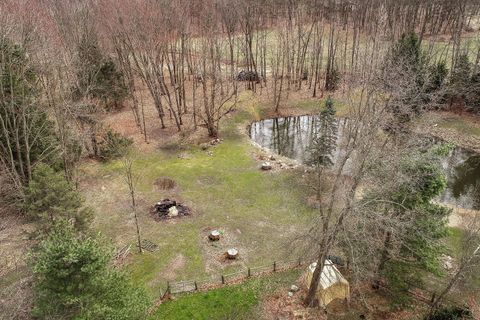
pixel 74 281
pixel 411 79
pixel 50 198
pixel 109 85
pixel 464 85
pixel 98 75
pixel 325 141
pixel 421 246
pixel 26 134
pixel 437 75
pixel 113 145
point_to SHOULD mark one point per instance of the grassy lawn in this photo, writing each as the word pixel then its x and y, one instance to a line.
pixel 315 105
pixel 232 302
pixel 461 126
pixel 259 212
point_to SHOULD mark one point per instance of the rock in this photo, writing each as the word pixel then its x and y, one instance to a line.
pixel 204 146
pixel 214 235
pixel 294 288
pixel 183 156
pixel 104 188
pixel 272 158
pixel 266 166
pixel 173 211
pixel 210 153
pixel 215 142
pixel 290 294
pixel 232 253
pixel 447 262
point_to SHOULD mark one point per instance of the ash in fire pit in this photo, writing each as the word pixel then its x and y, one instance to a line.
pixel 167 208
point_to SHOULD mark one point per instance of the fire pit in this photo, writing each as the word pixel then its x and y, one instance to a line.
pixel 167 209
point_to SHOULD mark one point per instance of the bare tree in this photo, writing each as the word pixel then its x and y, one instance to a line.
pixel 131 180
pixel 468 262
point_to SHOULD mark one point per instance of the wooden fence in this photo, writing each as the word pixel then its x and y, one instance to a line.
pixel 228 278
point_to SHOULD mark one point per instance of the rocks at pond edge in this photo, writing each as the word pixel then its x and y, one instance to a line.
pixel 294 288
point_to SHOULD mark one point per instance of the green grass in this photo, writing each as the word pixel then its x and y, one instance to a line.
pixel 315 105
pixel 460 126
pixel 231 302
pixel 453 241
pixel 260 212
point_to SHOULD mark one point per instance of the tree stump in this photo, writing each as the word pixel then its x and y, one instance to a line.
pixel 232 253
pixel 214 235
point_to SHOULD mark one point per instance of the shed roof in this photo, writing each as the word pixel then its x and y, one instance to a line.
pixel 330 274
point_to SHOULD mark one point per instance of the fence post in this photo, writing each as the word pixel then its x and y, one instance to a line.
pixel 274 266
pixel 223 279
pixel 168 287
pixel 249 273
pixel 299 262
pixel 196 287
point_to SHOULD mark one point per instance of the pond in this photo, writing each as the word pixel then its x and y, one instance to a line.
pixel 291 137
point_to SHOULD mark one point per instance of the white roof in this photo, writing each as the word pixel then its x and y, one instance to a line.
pixel 330 274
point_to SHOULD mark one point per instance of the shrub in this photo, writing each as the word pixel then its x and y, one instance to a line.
pixel 113 145
pixel 49 198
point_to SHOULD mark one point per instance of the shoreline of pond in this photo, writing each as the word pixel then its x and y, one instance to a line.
pixel 449 197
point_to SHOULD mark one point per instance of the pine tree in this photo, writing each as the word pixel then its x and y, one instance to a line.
pixel 49 198
pixel 464 84
pixel 73 280
pixel 98 75
pixel 421 244
pixel 325 141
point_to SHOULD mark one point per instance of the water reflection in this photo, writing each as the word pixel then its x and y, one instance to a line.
pixel 462 169
pixel 291 137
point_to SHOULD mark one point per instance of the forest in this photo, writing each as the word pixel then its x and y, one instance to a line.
pixel 240 159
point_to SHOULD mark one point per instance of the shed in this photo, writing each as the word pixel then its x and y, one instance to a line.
pixel 332 284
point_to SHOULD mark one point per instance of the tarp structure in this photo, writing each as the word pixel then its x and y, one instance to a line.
pixel 332 284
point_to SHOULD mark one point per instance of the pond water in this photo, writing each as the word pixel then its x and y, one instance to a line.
pixel 291 137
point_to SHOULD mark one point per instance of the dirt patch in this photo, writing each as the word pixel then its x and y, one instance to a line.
pixel 15 241
pixel 208 181
pixel 215 251
pixel 177 263
pixel 282 306
pixel 164 183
